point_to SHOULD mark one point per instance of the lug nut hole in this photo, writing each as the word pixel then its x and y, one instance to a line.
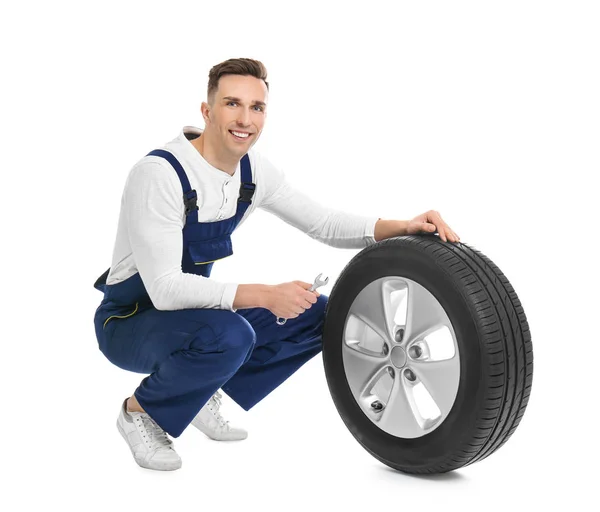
pixel 399 335
pixel 410 375
pixel 415 351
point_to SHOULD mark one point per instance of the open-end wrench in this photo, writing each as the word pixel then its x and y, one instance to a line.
pixel 318 282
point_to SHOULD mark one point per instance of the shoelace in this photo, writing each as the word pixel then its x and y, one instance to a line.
pixel 158 437
pixel 216 400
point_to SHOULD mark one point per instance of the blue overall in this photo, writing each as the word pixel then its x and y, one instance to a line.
pixel 191 353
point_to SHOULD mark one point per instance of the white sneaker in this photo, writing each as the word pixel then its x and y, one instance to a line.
pixel 149 444
pixel 210 422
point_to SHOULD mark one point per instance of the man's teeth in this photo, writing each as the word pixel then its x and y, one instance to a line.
pixel 240 134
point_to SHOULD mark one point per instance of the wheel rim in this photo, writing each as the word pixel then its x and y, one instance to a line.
pixel 401 357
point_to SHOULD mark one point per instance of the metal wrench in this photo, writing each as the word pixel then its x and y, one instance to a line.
pixel 318 282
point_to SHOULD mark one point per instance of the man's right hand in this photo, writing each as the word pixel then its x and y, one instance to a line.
pixel 290 300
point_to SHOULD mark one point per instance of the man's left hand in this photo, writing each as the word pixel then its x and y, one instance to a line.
pixel 430 222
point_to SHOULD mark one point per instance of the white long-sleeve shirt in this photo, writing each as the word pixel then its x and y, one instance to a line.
pixel 149 235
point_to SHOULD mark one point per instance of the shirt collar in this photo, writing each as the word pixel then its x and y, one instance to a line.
pixel 194 156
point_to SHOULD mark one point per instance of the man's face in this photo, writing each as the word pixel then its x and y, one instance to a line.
pixel 237 115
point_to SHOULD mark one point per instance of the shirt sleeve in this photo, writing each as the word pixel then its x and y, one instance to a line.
pixel 155 217
pixel 329 226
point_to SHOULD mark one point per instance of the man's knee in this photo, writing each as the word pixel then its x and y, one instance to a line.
pixel 237 334
pixel 232 334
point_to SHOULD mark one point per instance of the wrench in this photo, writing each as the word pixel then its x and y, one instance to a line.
pixel 318 282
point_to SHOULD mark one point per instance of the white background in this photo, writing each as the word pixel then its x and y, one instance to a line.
pixel 485 111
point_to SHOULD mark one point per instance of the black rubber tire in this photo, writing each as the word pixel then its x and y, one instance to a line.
pixel 496 355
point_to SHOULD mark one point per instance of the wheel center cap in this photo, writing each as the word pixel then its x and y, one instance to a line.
pixel 398 357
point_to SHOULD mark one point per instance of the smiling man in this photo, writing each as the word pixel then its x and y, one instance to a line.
pixel 235 115
pixel 163 315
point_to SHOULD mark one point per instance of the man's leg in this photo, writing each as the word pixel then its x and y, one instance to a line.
pixel 279 351
pixel 188 353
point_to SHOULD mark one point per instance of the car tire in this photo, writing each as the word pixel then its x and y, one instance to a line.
pixel 484 393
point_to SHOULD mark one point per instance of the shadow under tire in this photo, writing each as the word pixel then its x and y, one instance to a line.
pixel 490 331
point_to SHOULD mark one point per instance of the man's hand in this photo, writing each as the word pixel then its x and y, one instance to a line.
pixel 290 300
pixel 430 222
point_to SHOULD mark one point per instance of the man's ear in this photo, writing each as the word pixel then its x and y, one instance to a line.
pixel 205 110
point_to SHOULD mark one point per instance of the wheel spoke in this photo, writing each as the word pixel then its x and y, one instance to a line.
pixel 398 417
pixel 440 378
pixel 361 368
pixel 424 312
pixel 373 306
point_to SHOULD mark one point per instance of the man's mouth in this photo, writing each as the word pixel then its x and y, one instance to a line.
pixel 239 135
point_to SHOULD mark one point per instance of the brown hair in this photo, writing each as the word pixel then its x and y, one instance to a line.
pixel 246 67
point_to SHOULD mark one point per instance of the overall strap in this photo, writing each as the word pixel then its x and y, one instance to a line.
pixel 189 196
pixel 246 187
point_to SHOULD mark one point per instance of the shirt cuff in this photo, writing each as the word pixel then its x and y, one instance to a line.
pixel 229 296
pixel 370 230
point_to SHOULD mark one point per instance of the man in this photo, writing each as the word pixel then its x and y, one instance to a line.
pixel 162 315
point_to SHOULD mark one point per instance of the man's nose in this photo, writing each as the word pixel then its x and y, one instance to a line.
pixel 243 118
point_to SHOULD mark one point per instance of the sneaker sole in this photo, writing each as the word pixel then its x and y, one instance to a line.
pixel 159 467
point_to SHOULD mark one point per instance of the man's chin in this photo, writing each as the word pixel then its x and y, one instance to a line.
pixel 241 149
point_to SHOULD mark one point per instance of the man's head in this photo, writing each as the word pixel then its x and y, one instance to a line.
pixel 236 109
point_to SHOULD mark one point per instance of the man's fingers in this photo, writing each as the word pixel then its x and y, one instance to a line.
pixel 442 228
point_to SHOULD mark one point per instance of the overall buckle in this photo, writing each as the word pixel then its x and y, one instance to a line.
pixel 246 192
pixel 189 200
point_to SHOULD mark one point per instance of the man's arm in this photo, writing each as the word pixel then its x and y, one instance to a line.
pixel 389 228
pixel 251 296
pixel 154 214
pixel 326 225
pixel 332 227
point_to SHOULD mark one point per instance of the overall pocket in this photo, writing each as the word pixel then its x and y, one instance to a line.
pixel 208 251
pixel 126 315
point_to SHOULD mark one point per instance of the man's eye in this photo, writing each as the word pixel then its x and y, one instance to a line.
pixel 259 107
pixel 232 103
